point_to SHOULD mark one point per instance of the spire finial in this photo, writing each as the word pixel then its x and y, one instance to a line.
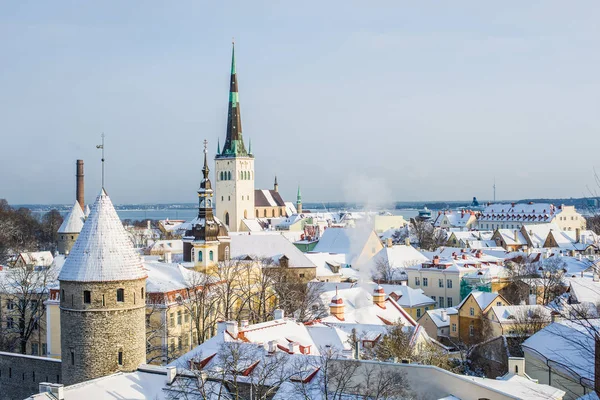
pixel 218 146
pixel 101 146
pixel 205 169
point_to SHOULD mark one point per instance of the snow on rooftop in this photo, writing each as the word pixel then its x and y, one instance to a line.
pixel 269 246
pixel 103 251
pixel 483 299
pixel 74 221
pixel 569 344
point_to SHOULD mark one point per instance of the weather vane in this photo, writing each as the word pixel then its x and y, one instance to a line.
pixel 101 146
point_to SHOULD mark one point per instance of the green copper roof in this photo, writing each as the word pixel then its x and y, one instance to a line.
pixel 299 196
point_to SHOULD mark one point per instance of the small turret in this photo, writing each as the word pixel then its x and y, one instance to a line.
pixel 299 201
pixel 276 185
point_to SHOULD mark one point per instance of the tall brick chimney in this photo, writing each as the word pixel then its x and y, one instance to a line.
pixel 80 190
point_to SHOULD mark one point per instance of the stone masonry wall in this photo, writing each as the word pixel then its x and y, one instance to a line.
pixel 66 242
pixel 20 375
pixel 92 335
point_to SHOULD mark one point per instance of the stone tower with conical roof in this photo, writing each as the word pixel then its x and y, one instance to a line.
pixel 234 166
pixel 102 300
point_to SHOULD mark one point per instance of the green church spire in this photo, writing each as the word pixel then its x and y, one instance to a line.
pixel 234 142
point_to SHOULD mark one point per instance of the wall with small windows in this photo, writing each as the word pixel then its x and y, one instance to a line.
pixel 20 375
pixel 106 325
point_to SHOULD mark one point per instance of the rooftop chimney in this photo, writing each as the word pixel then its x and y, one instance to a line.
pixel 80 190
pixel 444 315
pixel 336 307
pixel 232 328
pixel 379 296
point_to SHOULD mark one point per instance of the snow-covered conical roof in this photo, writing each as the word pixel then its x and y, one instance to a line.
pixel 74 221
pixel 103 251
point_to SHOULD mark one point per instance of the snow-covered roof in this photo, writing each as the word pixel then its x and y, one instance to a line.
pixel 167 277
pixel 268 246
pixel 436 316
pixel 483 299
pixel 267 198
pixel 138 385
pixel 324 262
pixel 509 236
pixel 74 221
pixel 252 225
pixel 518 313
pixel 569 344
pixel 349 241
pixel 103 251
pixel 37 258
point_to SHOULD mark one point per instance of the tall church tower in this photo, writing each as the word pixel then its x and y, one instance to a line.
pixel 234 166
pixel 201 243
pixel 102 300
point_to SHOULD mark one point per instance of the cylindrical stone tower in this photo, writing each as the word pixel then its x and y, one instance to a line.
pixel 102 300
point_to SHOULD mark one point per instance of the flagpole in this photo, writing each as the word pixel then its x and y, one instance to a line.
pixel 101 146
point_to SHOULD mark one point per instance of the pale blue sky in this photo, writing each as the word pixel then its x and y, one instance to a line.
pixel 408 100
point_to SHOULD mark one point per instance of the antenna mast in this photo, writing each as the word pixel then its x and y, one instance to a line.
pixel 494 189
pixel 101 146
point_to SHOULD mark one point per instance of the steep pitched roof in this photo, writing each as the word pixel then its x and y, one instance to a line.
pixel 483 299
pixel 103 251
pixel 267 198
pixel 74 221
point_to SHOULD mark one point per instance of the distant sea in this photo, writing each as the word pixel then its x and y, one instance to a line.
pixel 190 213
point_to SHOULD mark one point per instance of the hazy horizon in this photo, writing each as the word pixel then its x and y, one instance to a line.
pixel 353 102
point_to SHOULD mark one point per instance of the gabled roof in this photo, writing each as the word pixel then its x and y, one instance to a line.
pixel 267 198
pixel 37 258
pixel 268 246
pixel 483 299
pixel 103 251
pixel 74 221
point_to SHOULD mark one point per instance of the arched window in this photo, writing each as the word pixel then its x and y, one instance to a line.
pixel 241 175
pixel 142 291
pixel 273 213
pixel 211 255
pixel 221 175
pixel 245 214
pixel 208 203
pixel 229 175
pixel 120 357
pixel 193 254
pixel 517 369
pixel 280 212
pixel 257 214
pixel 227 253
pixel 120 295
pixel 227 219
pixel 200 256
pixel 265 213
